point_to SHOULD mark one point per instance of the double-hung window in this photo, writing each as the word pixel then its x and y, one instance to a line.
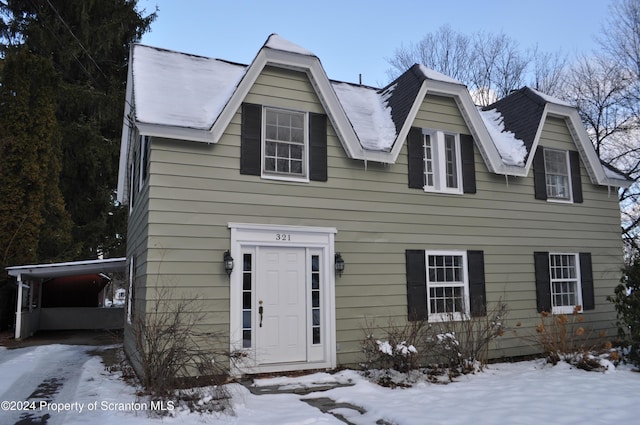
pixel 447 285
pixel 564 273
pixel 564 281
pixel 556 175
pixel 442 162
pixel 284 144
pixel 558 181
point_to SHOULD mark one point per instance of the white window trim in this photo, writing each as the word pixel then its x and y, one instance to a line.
pixel 438 150
pixel 569 183
pixel 132 179
pixel 445 317
pixel 130 299
pixel 143 157
pixel 305 160
pixel 578 279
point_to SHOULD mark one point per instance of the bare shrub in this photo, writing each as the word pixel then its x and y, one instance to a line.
pixel 459 346
pixel 566 338
pixel 464 344
pixel 400 349
pixel 173 353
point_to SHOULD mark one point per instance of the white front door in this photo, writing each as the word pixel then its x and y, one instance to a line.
pixel 281 317
pixel 282 298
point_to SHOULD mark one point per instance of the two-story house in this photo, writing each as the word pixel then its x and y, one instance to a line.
pixel 297 208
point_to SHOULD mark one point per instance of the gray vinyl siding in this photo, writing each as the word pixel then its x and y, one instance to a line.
pixel 137 232
pixel 196 189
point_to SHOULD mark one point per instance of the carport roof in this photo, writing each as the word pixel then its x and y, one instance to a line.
pixel 48 271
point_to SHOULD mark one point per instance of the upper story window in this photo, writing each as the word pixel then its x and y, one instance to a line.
pixel 558 182
pixel 284 143
pixel 556 175
pixel 442 162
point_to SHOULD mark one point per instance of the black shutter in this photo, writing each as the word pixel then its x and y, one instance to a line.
pixel 586 276
pixel 416 284
pixel 468 164
pixel 539 177
pixel 576 181
pixel 415 159
pixel 318 147
pixel 477 290
pixel 250 139
pixel 543 281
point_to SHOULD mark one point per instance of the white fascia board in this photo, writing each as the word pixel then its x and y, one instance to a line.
pixel 476 126
pixel 126 130
pixel 588 153
pixel 172 132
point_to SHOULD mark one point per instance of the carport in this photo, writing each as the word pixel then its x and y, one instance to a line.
pixel 38 308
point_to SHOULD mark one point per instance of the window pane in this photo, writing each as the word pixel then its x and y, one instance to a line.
pixel 451 161
pixel 246 339
pixel 271 132
pixel 272 117
pixel 296 151
pixel 270 149
pixel 296 167
pixel 428 161
pixel 316 317
pixel 315 299
pixel 282 165
pixel 285 141
pixel 269 164
pixel 316 335
pixel 246 282
pixel 557 173
pixel 246 319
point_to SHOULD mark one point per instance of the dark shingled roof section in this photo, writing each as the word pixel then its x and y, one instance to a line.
pixel 406 90
pixel 522 112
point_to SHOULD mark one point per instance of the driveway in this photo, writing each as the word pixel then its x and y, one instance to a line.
pixel 43 375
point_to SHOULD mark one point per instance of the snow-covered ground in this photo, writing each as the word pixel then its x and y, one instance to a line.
pixel 78 390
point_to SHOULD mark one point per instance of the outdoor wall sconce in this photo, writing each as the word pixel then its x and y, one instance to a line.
pixel 228 262
pixel 339 264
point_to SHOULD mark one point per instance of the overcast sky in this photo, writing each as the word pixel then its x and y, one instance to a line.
pixel 356 37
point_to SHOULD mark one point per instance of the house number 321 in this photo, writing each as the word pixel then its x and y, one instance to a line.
pixel 283 237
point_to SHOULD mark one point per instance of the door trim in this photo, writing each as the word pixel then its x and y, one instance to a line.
pixel 249 236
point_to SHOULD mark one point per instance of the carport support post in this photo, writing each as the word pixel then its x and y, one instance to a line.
pixel 19 307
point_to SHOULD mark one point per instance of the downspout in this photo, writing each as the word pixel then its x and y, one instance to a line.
pixel 19 308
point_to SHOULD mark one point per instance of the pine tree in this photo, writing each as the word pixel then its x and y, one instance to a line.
pixel 63 66
pixel 87 42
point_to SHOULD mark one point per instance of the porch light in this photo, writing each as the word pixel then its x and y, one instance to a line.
pixel 228 262
pixel 339 264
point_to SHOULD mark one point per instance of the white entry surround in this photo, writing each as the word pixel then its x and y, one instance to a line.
pixel 282 297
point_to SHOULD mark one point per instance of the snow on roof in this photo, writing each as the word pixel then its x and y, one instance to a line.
pixel 435 75
pixel 278 43
pixel 609 172
pixel 177 89
pixel 551 99
pixel 369 113
pixel 512 150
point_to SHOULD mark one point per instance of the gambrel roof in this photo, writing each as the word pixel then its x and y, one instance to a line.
pixel 187 97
